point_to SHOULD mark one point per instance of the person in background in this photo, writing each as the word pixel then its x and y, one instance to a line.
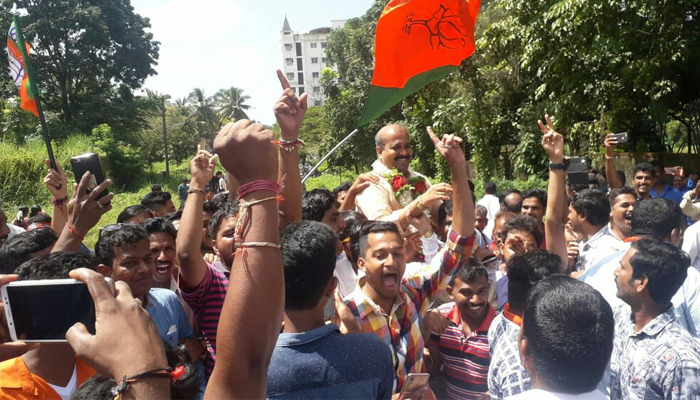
pixel 482 220
pixel 690 204
pixel 160 203
pixel 156 188
pixel 341 190
pixel 134 215
pixel 38 222
pixel 24 247
pixel 661 188
pixel 4 228
pixel 214 183
pixel 511 200
pixel 492 204
pixel 22 217
pixel 182 192
pixel 534 204
pixel 361 183
pixel 622 202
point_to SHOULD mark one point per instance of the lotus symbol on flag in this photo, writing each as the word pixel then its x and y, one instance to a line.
pixel 445 28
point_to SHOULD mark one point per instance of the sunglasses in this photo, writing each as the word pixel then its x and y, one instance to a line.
pixel 112 228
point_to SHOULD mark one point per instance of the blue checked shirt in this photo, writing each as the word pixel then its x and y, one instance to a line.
pixel 507 377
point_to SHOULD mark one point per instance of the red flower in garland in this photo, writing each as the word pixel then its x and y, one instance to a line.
pixel 420 187
pixel 397 182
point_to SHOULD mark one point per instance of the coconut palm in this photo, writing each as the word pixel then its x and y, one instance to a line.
pixel 231 103
pixel 207 121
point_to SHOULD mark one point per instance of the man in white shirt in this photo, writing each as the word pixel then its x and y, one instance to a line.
pixel 493 206
pixel 566 340
pixel 691 244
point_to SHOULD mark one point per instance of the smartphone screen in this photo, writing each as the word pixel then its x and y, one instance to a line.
pixel 415 382
pixel 45 312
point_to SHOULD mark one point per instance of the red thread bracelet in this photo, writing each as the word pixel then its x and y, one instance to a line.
pixel 255 186
pixel 74 231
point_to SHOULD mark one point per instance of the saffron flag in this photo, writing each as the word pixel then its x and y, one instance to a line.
pixel 417 42
pixel 19 70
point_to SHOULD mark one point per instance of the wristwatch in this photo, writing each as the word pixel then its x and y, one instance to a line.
pixel 563 165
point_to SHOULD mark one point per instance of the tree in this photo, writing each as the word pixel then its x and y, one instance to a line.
pixel 208 122
pixel 231 104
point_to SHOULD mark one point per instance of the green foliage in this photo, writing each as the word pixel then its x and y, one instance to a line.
pixel 121 161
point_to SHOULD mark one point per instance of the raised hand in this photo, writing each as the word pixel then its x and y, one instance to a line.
pixel 344 318
pixel 450 148
pixel 438 192
pixel 289 110
pixel 56 181
pixel 246 151
pixel 362 182
pixel 86 208
pixel 552 141
pixel 202 168
pixel 610 144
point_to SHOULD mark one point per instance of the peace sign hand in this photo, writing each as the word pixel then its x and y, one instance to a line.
pixel 552 141
pixel 449 148
pixel 289 110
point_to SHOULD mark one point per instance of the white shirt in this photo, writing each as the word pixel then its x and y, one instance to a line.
pixel 539 394
pixel 493 207
pixel 691 244
pixel 347 278
pixel 598 247
pixel 67 391
pixel 15 230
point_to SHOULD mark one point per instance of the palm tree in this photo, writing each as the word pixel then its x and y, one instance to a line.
pixel 231 103
pixel 205 115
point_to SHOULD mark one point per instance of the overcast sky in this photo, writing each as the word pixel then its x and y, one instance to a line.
pixel 213 44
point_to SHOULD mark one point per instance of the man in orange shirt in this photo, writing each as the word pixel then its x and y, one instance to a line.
pixel 52 371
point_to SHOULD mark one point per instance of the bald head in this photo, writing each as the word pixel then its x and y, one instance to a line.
pixel 394 147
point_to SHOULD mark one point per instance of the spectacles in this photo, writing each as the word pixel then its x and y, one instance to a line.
pixel 112 228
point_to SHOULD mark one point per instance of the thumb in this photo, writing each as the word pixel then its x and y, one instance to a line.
pixel 15 349
pixel 79 338
pixel 304 101
pixel 433 137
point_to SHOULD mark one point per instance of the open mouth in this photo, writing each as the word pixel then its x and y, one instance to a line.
pixel 476 307
pixel 163 268
pixel 628 217
pixel 390 280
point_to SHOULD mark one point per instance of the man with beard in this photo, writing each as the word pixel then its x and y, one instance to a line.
pixel 379 203
pixel 643 179
pixel 622 202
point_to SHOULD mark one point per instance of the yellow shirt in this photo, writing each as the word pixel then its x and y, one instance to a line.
pixel 16 382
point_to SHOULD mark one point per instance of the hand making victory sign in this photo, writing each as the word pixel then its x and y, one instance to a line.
pixel 290 110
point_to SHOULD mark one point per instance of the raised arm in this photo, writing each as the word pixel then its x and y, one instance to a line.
pixel 361 183
pixel 193 268
pixel 614 181
pixel 252 313
pixel 553 144
pixel 289 112
pixel 57 184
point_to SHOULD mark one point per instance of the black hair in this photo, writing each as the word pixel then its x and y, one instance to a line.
pixel 55 265
pixel 308 257
pixel 156 188
pixel 446 208
pixel 154 200
pixel 664 265
pixel 155 225
pixel 99 387
pixel 471 270
pixel 645 167
pixel 490 187
pixel 131 212
pixel 229 210
pixel 173 216
pixel 343 187
pixel 374 227
pixel 621 176
pixel 523 223
pixel 569 329
pixel 35 210
pixel 353 224
pixel 656 217
pixel 526 269
pixel 315 204
pixel 351 219
pixel 615 193
pixel 219 200
pixel 541 195
pixel 514 208
pixel 108 241
pixel 19 248
pixel 593 205
pixel 40 218
pixel 210 206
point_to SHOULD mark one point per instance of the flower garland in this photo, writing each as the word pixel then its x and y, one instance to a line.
pixel 406 190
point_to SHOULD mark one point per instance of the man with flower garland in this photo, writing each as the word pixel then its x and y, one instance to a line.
pixel 401 195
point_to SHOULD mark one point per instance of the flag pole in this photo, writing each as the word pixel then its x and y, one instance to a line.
pixel 35 91
pixel 330 153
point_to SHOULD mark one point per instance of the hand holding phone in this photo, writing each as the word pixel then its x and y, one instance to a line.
pixel 10 349
pixel 89 162
pixel 415 387
pixel 87 207
pixel 619 138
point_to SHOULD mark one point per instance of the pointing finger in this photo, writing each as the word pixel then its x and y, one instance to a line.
pixel 433 137
pixel 283 80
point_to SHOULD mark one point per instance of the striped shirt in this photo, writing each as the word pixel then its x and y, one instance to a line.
pixel 400 329
pixel 206 302
pixel 465 358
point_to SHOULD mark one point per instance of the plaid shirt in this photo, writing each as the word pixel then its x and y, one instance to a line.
pixel 662 361
pixel 401 328
pixel 507 377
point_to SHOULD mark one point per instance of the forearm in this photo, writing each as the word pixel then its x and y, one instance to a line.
pixel 59 218
pixel 252 314
pixel 614 181
pixel 556 206
pixel 189 239
pixel 463 218
pixel 290 207
pixel 349 200
pixel 145 389
pixel 69 240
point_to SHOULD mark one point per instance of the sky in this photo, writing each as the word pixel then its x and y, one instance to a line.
pixel 215 44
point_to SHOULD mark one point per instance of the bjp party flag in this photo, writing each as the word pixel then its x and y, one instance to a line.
pixel 18 54
pixel 417 42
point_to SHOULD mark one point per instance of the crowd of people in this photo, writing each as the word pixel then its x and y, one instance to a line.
pixel 570 293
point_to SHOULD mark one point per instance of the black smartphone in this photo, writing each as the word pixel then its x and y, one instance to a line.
pixel 621 137
pixel 577 171
pixel 43 311
pixel 89 162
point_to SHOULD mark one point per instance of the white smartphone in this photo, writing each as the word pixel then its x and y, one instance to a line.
pixel 43 311
pixel 415 382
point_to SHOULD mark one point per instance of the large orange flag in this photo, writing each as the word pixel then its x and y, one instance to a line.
pixel 417 42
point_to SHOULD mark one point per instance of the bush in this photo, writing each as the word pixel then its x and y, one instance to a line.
pixel 123 162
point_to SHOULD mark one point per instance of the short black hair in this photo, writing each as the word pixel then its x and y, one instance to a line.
pixel 656 217
pixel 351 219
pixel 315 204
pixel 664 265
pixel 219 200
pixel 156 188
pixel 40 218
pixel 154 200
pixel 370 227
pixel 55 265
pixel 526 269
pixel 210 206
pixel 132 211
pixel 155 225
pixel 308 256
pixel 540 194
pixel 353 225
pixel 446 208
pixel 615 193
pixel 229 210
pixel 108 241
pixel 343 187
pixel 471 270
pixel 593 205
pixel 569 329
pixel 514 208
pixel 19 248
pixel 645 167
pixel 523 223
pixel 173 216
pixel 490 187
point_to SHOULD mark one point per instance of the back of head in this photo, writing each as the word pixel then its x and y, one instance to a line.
pixel 593 205
pixel 523 223
pixel 371 227
pixel 664 265
pixel 218 201
pixel 569 328
pixel 20 248
pixel 316 203
pixel 308 256
pixel 228 210
pixel 133 211
pixel 126 234
pixel 526 269
pixel 55 265
pixel 156 225
pixel 154 200
pixel 656 218
pixel 351 233
pixel 351 219
pixel 490 187
pixel 35 210
pixel 172 217
pixel 156 188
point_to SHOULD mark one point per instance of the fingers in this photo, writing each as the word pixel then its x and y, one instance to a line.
pixel 123 291
pixel 542 126
pixel 79 339
pixel 83 184
pixel 5 279
pixel 99 189
pixel 283 80
pixel 304 101
pixel 433 137
pixel 15 349
pixel 97 286
pixel 549 122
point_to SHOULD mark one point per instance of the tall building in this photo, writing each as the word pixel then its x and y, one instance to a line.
pixel 304 57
